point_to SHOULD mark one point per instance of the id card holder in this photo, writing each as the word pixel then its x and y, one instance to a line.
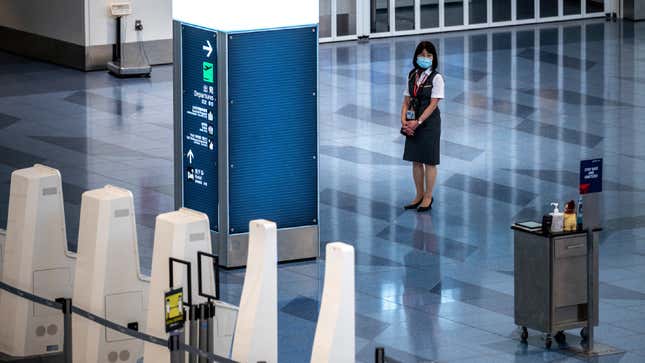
pixel 410 115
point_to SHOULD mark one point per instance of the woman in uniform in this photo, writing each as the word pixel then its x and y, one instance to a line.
pixel 421 123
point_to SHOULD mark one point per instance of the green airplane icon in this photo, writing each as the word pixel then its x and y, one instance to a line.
pixel 208 72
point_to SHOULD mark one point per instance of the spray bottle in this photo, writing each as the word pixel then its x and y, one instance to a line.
pixel 558 219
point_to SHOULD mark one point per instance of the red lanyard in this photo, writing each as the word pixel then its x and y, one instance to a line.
pixel 418 82
pixel 416 86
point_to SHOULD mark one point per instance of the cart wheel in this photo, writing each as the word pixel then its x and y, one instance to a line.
pixel 560 337
pixel 525 334
pixel 584 334
pixel 548 342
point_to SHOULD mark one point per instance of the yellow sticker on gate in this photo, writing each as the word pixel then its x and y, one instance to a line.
pixel 174 309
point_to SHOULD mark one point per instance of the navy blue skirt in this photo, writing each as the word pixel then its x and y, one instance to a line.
pixel 425 146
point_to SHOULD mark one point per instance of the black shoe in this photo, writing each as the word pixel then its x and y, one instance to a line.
pixel 425 209
pixel 413 206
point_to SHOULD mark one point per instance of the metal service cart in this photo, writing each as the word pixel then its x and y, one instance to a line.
pixel 552 283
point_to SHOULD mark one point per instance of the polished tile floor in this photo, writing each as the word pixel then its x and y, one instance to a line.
pixel 523 106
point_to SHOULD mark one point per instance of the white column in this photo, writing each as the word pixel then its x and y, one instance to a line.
pixel 256 335
pixel 334 19
pixel 335 332
pixel 363 20
pixel 108 281
pixel 35 259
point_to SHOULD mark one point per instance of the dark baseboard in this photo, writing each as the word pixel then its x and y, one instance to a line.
pixel 77 56
pixel 158 52
pixel 52 358
pixel 42 48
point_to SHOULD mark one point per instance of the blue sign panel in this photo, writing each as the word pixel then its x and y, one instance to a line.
pixel 199 121
pixel 272 133
pixel 591 176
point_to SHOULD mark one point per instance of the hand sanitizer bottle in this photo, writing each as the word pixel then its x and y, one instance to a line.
pixel 558 219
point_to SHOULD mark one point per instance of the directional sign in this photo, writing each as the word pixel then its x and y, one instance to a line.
pixel 199 121
pixel 190 156
pixel 208 48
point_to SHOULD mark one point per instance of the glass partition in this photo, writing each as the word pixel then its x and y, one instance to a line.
pixel 339 19
pixel 345 17
pixel 501 10
pixel 324 29
pixel 429 14
pixel 572 7
pixel 477 11
pixel 525 9
pixel 453 12
pixel 404 14
pixel 379 16
pixel 595 6
pixel 548 8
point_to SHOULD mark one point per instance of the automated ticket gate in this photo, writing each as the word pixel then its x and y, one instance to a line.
pixel 108 281
pixel 182 242
pixel 335 339
pixel 35 259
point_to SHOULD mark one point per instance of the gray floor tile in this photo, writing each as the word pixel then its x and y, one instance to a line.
pixel 487 189
pixel 560 133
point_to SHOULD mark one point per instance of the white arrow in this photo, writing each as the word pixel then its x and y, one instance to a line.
pixel 190 156
pixel 208 48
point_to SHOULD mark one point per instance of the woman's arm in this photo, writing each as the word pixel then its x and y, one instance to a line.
pixel 404 109
pixel 412 125
pixel 429 110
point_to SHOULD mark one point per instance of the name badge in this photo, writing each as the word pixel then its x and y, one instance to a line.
pixel 410 115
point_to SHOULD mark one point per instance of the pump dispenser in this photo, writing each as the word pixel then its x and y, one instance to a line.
pixel 558 219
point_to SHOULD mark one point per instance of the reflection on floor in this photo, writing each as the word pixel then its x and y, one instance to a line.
pixel 523 106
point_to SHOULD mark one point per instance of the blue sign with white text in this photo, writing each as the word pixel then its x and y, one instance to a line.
pixel 591 176
pixel 199 121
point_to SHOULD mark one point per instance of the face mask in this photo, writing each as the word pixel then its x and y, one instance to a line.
pixel 424 62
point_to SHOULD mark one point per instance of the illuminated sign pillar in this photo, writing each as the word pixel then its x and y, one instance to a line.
pixel 246 120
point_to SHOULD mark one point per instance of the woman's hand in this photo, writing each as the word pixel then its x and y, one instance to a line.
pixel 408 131
pixel 411 126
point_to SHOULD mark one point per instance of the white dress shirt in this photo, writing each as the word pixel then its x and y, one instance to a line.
pixel 437 87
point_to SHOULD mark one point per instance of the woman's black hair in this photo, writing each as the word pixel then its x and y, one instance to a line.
pixel 429 47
